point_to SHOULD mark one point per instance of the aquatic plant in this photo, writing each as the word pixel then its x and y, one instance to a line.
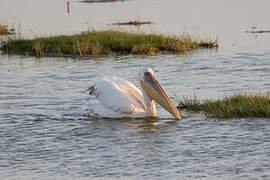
pixel 236 106
pixel 103 42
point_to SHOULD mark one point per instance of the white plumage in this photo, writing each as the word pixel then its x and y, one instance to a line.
pixel 118 98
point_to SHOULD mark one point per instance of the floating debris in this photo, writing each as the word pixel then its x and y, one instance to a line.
pixel 258 31
pixel 68 7
pixel 99 1
pixel 255 30
pixel 136 23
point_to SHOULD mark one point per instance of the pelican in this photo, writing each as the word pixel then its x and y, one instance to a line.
pixel 119 98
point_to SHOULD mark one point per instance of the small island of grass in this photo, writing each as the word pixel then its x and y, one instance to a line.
pixel 236 106
pixel 103 43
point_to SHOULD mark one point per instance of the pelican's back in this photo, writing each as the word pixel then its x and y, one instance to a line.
pixel 118 95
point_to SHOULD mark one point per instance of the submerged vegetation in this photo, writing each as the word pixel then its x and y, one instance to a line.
pixel 236 106
pixel 103 42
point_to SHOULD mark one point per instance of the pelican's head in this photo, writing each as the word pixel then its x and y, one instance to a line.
pixel 153 89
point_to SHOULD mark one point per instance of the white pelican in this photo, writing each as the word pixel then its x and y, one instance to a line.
pixel 118 98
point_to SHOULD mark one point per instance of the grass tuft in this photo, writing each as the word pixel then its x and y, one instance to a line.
pixel 236 106
pixel 103 42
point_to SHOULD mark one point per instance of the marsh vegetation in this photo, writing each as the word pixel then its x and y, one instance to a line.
pixel 104 43
pixel 236 106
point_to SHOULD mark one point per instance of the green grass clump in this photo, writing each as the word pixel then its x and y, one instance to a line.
pixel 236 106
pixel 102 42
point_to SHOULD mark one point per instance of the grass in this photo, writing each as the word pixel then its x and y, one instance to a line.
pixel 236 106
pixel 103 42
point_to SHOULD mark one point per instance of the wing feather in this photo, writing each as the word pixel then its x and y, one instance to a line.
pixel 118 95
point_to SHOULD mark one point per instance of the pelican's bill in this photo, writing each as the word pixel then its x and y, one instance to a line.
pixel 156 92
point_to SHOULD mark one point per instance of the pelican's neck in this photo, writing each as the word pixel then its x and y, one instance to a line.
pixel 150 105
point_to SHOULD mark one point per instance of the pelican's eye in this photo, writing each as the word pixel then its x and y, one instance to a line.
pixel 147 75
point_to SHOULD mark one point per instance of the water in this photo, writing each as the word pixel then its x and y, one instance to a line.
pixel 46 133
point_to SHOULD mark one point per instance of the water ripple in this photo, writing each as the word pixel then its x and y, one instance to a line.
pixel 45 130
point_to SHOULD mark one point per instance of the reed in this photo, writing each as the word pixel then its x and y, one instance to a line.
pixel 236 106
pixel 103 42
